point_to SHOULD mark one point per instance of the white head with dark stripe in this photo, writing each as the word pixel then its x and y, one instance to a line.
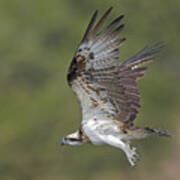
pixel 73 139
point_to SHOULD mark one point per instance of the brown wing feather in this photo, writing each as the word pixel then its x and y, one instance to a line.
pixel 90 25
pixel 101 21
pixel 102 85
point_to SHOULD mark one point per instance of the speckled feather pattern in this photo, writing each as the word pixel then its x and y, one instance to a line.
pixel 107 90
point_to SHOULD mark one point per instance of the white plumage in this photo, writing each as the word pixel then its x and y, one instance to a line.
pixel 108 92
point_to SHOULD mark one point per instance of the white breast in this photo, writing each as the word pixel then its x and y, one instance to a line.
pixel 94 129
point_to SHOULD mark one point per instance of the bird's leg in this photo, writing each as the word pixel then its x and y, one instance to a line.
pixel 130 152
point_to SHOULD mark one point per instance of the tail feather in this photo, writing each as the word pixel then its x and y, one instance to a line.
pixel 157 132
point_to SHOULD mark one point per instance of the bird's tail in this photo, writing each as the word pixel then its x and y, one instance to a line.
pixel 157 132
pixel 140 133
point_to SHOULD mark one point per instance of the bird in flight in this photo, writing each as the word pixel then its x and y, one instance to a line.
pixel 107 90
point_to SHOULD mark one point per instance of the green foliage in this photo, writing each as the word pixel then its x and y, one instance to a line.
pixel 37 108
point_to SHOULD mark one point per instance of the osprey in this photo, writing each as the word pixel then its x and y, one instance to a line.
pixel 107 91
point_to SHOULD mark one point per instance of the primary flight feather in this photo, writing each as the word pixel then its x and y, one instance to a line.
pixel 108 91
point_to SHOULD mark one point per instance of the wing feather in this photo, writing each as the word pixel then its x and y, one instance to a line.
pixel 101 21
pixel 102 86
pixel 90 25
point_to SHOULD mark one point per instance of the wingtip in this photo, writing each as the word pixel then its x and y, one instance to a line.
pixel 95 13
pixel 90 26
pixel 110 9
pixel 101 21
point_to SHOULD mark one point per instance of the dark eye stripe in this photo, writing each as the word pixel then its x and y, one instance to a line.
pixel 73 139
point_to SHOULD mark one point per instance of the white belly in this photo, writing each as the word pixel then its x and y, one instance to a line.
pixel 94 129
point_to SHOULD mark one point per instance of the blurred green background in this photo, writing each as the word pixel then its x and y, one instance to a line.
pixel 37 108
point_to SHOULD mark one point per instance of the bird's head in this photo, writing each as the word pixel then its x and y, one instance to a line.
pixel 72 140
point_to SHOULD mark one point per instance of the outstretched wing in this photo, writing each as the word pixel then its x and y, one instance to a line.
pixel 103 87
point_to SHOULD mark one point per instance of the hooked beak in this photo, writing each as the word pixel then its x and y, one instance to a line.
pixel 62 142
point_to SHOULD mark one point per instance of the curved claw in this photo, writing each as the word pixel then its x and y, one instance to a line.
pixel 132 155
